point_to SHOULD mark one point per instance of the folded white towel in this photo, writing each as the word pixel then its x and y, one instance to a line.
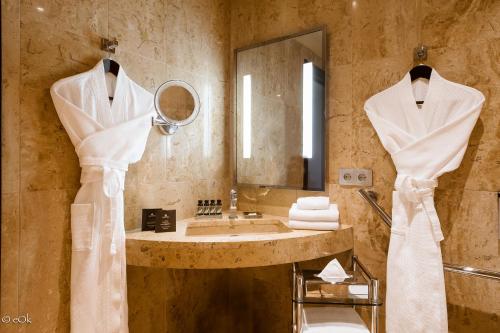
pixel 332 319
pixel 313 203
pixel 308 225
pixel 328 215
pixel 358 289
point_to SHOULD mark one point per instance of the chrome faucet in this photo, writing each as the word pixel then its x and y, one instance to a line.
pixel 233 196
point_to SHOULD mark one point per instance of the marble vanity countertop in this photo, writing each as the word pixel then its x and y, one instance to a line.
pixel 178 250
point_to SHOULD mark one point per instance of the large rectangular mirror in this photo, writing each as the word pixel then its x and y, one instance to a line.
pixel 280 112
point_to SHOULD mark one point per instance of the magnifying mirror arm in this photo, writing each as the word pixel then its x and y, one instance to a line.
pixel 164 126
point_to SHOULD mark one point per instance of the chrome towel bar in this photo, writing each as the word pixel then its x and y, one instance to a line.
pixel 371 198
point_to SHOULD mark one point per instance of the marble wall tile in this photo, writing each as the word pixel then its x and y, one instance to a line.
pixel 147 307
pixel 87 18
pixel 462 319
pixel 9 274
pixel 139 31
pixel 197 300
pixel 247 198
pixel 275 201
pixel 275 18
pixel 45 251
pixel 339 125
pixel 380 29
pixel 10 254
pixel 455 23
pixel 471 213
pixel 242 14
pixel 11 36
pixel 196 36
pixel 472 64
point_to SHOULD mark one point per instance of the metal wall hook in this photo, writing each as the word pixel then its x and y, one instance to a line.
pixel 109 45
pixel 420 53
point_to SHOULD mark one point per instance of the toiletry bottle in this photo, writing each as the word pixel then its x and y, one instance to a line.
pixel 206 208
pixel 213 208
pixel 219 207
pixel 199 209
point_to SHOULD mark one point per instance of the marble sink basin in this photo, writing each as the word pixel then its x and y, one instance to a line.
pixel 236 227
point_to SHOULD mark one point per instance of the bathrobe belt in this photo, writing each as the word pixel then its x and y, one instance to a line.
pixel 421 191
pixel 112 176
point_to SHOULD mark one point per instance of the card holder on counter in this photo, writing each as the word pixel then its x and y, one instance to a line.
pixel 166 221
pixel 149 216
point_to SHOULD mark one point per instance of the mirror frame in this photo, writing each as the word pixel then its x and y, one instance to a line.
pixel 321 28
pixel 169 126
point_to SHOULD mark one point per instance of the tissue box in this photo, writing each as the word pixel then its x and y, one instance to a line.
pixel 354 287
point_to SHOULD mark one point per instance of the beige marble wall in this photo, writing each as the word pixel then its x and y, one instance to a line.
pixel 370 44
pixel 43 41
pixel 370 48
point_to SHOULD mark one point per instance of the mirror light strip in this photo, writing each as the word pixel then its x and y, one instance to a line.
pixel 307 108
pixel 247 116
pixel 207 120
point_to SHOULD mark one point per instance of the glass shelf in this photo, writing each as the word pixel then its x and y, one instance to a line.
pixel 361 289
pixel 351 291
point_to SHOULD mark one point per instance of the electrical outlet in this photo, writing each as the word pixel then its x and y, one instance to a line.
pixel 355 177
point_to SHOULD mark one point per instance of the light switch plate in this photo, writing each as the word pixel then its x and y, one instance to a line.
pixel 355 177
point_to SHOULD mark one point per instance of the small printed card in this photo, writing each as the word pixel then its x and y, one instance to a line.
pixel 165 221
pixel 149 218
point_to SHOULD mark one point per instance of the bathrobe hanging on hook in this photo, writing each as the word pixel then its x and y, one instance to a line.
pixel 107 136
pixel 424 142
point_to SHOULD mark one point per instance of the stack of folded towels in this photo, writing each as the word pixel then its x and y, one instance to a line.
pixel 315 213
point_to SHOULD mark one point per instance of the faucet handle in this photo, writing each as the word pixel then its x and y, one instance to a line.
pixel 233 201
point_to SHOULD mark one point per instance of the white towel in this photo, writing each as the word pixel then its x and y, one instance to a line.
pixel 308 225
pixel 328 215
pixel 313 203
pixel 332 319
pixel 358 291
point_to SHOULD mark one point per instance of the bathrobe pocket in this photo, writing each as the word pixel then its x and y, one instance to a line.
pixel 82 226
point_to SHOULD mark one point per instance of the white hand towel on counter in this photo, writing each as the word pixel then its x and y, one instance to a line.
pixel 313 203
pixel 308 225
pixel 328 215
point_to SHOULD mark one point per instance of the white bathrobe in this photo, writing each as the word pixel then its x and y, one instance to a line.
pixel 424 143
pixel 107 138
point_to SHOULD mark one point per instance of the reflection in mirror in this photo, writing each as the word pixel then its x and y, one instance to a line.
pixel 176 103
pixel 280 104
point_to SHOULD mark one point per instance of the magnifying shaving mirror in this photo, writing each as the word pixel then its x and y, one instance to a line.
pixel 177 104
